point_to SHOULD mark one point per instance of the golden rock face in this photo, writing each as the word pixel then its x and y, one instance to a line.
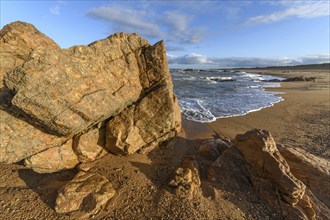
pixel 17 40
pixel 86 192
pixel 72 89
pixel 52 95
pixel 260 152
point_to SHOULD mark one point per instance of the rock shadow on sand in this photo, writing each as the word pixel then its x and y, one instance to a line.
pixel 46 185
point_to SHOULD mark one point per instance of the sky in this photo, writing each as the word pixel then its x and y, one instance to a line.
pixel 197 34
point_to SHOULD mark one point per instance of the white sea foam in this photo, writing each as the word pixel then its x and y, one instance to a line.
pixel 203 99
pixel 193 110
pixel 217 78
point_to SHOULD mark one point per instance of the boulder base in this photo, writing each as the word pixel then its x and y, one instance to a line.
pixel 53 159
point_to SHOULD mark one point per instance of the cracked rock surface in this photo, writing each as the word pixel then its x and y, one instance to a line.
pixel 62 107
pixel 17 40
pixel 72 89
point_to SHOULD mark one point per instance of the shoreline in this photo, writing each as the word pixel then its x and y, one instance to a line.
pixel 300 120
pixel 305 105
pixel 264 88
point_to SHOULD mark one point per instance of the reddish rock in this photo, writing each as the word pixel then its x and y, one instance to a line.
pixel 265 162
pixel 72 89
pixel 89 146
pixel 271 176
pixel 17 40
pixel 152 120
pixel 53 159
pixel 186 179
pixel 19 139
pixel 56 94
pixel 87 192
pixel 310 169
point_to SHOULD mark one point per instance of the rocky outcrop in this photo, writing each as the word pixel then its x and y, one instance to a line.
pixel 87 192
pixel 271 176
pixel 312 170
pixel 72 89
pixel 18 138
pixel 155 116
pixel 54 99
pixel 17 40
pixel 186 179
pixel 212 149
pixel 293 79
pixel 266 163
pixel 288 181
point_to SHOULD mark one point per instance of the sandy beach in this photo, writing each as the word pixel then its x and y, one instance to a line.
pixel 141 181
pixel 301 120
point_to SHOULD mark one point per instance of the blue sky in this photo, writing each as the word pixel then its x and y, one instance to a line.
pixel 211 34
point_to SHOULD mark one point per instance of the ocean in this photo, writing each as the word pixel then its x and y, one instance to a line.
pixel 205 95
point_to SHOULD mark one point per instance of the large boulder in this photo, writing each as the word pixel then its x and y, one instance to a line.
pixel 72 89
pixel 53 99
pixel 265 162
pixel 17 40
pixel 310 169
pixel 271 176
pixel 87 192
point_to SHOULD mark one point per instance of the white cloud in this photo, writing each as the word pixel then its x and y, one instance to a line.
pixel 232 62
pixel 192 58
pixel 56 9
pixel 174 26
pixel 299 9
pixel 323 58
pixel 137 21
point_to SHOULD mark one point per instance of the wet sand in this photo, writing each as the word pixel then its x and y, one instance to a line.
pixel 301 120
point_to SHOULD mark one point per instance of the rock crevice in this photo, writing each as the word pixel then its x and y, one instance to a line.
pixel 67 92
